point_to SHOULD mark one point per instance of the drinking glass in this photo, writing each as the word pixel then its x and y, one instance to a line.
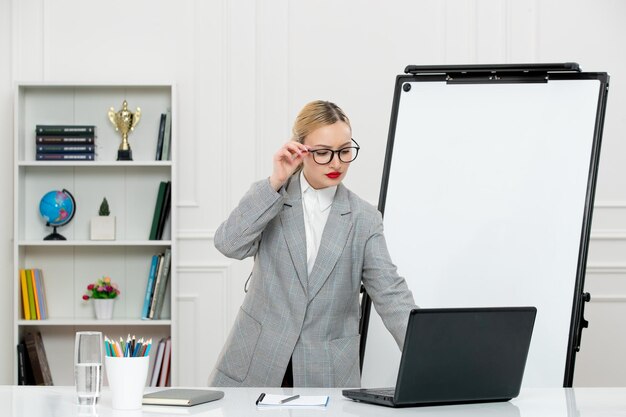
pixel 88 366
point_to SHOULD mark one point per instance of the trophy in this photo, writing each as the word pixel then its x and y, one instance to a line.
pixel 124 122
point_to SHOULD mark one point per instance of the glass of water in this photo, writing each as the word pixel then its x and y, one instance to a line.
pixel 88 366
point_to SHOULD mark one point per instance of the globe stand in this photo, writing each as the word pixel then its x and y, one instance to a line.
pixel 54 235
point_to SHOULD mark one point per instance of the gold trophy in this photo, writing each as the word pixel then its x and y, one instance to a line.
pixel 124 122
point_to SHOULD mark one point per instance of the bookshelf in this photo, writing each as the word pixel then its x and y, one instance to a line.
pixel 131 190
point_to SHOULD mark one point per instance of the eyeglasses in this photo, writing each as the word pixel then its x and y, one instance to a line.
pixel 345 155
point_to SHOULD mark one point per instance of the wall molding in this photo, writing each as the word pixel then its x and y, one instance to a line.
pixel 204 267
pixel 610 204
pixel 603 269
pixel 195 234
pixel 607 298
pixel 608 234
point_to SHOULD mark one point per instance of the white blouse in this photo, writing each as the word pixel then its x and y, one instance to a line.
pixel 316 206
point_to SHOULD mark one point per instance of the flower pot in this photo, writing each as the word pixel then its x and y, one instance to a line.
pixel 103 228
pixel 103 308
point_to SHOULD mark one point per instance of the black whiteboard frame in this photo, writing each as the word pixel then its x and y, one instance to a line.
pixel 514 73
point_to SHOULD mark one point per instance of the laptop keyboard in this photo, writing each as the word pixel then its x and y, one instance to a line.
pixel 383 392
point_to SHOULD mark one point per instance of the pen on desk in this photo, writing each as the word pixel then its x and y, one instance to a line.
pixel 295 397
pixel 258 400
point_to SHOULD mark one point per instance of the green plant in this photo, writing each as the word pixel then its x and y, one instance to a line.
pixel 103 288
pixel 104 208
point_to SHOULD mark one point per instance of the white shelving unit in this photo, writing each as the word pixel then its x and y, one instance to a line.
pixel 131 189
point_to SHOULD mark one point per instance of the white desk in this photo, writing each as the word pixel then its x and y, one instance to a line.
pixel 60 402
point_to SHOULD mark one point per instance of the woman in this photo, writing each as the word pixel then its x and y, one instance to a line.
pixel 313 243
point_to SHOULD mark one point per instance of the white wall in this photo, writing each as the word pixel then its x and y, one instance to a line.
pixel 6 188
pixel 244 68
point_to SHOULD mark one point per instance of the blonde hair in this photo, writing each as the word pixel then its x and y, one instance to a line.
pixel 315 115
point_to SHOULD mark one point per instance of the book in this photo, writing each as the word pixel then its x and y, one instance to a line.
pixel 157 210
pixel 165 365
pixel 35 293
pixel 161 278
pixel 165 210
pixel 157 276
pixel 21 364
pixel 41 294
pixel 150 286
pixel 66 148
pixel 74 140
pixel 158 360
pixel 38 359
pixel 24 287
pixel 182 397
pixel 167 139
pixel 31 295
pixel 161 288
pixel 65 130
pixel 24 368
pixel 160 137
pixel 81 156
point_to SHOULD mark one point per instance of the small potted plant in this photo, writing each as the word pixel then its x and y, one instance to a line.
pixel 104 293
pixel 103 225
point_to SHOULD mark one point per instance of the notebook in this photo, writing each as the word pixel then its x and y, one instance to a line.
pixel 181 397
pixel 458 355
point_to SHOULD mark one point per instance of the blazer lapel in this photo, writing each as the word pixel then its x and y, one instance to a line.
pixel 292 220
pixel 333 241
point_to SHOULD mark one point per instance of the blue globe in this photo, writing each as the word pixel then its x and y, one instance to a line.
pixel 57 208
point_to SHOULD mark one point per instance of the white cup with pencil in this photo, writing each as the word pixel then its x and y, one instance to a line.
pixel 127 370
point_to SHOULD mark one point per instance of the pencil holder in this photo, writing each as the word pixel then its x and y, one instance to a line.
pixel 127 379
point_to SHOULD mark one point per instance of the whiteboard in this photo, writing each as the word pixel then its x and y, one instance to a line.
pixel 486 203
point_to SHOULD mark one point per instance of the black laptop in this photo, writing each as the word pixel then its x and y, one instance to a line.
pixel 458 355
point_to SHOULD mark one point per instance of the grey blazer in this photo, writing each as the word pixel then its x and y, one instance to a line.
pixel 289 314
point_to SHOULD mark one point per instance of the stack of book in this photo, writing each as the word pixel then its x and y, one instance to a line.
pixel 33 294
pixel 65 142
pixel 157 285
pixel 32 362
pixel 161 371
pixel 161 210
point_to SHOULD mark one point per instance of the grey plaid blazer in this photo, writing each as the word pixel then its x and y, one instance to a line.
pixel 289 314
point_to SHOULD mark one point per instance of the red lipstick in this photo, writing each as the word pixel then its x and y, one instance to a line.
pixel 333 175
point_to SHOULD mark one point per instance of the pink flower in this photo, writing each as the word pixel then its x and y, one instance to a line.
pixel 103 288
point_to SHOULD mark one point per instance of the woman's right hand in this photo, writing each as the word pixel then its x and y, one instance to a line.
pixel 286 161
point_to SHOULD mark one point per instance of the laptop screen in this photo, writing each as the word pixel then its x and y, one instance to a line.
pixel 464 354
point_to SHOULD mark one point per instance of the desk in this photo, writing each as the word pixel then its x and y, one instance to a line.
pixel 60 402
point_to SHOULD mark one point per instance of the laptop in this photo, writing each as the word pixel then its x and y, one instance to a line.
pixel 458 355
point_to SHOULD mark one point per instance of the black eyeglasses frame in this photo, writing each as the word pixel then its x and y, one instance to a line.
pixel 337 152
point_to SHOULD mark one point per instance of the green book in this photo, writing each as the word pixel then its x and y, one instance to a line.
pixel 31 295
pixel 157 210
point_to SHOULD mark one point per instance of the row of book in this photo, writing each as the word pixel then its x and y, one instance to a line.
pixel 165 137
pixel 161 370
pixel 161 210
pixel 65 142
pixel 156 286
pixel 33 294
pixel 32 362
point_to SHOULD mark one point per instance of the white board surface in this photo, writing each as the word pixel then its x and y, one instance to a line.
pixel 484 207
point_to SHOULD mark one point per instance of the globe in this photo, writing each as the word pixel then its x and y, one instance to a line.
pixel 57 208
